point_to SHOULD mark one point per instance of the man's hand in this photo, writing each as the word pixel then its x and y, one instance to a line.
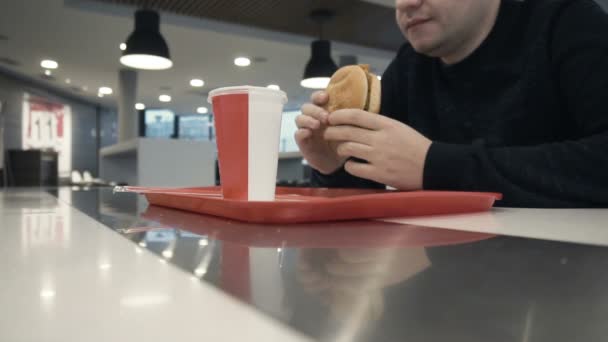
pixel 394 151
pixel 320 153
pixel 351 281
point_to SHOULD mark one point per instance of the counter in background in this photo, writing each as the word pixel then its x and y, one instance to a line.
pixel 159 162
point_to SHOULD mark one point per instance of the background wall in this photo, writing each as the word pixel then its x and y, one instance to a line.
pixel 108 127
pixel 88 121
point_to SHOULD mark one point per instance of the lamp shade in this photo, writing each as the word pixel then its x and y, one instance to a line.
pixel 146 47
pixel 320 67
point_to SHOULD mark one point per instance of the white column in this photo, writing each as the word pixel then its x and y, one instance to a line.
pixel 128 121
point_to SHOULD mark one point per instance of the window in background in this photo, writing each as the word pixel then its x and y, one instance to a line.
pixel 159 123
pixel 195 127
pixel 288 129
pixel 161 235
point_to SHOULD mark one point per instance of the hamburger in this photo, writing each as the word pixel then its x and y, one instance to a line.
pixel 354 86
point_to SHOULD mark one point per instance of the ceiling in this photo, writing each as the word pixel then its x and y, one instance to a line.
pixel 84 37
pixel 351 22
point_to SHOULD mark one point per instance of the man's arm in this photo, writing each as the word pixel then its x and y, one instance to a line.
pixel 569 173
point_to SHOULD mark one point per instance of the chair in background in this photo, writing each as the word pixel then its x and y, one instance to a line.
pixel 87 177
pixel 76 178
pixel 89 180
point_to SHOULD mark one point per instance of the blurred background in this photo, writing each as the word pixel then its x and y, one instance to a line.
pixel 79 102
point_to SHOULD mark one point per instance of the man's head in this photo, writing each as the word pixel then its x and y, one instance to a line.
pixel 443 28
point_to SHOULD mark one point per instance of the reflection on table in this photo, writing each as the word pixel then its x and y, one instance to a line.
pixel 373 281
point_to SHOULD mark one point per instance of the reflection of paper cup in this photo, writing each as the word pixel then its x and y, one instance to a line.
pixel 248 126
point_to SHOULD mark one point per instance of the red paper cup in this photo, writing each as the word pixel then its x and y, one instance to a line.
pixel 248 126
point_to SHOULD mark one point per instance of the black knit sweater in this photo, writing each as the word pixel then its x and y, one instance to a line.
pixel 525 114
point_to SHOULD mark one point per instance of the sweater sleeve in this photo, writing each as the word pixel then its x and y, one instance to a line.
pixel 389 104
pixel 565 174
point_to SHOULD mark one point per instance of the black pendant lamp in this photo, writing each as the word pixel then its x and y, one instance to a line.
pixel 146 47
pixel 320 67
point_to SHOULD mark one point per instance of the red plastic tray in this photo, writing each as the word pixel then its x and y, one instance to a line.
pixel 344 234
pixel 297 205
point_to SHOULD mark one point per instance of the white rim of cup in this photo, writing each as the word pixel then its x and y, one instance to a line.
pixel 246 90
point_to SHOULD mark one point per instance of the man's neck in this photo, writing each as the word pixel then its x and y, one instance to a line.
pixel 468 46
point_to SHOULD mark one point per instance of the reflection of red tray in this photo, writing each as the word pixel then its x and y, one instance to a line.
pixel 294 205
pixel 345 234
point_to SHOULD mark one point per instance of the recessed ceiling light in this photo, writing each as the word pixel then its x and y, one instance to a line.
pixel 164 98
pixel 105 266
pixel 202 110
pixel 273 86
pixel 68 81
pixel 99 95
pixel 47 72
pixel 49 64
pixel 140 106
pixel 197 82
pixel 105 90
pixel 47 293
pixel 242 61
pixel 200 271
pixel 123 46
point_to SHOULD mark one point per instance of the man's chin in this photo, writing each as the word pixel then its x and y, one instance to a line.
pixel 424 48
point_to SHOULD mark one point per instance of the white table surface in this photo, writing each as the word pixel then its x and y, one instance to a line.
pixel 66 277
pixel 586 226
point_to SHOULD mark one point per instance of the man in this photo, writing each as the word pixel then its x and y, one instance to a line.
pixel 487 95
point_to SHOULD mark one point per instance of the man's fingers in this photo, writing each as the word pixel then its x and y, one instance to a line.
pixel 353 285
pixel 319 98
pixel 305 121
pixel 365 255
pixel 353 149
pixel 362 170
pixel 349 133
pixel 303 134
pixel 315 112
pixel 310 277
pixel 357 117
pixel 341 269
pixel 313 282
